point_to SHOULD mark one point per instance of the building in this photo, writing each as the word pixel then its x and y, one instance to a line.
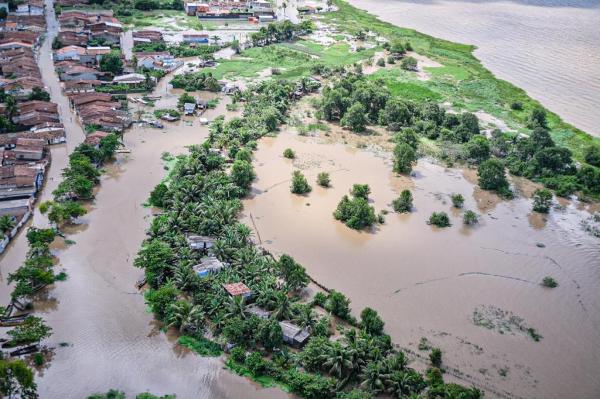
pixel 238 290
pixel 257 311
pixel 293 335
pixel 208 265
pixel 201 38
pixel 200 243
pixel 130 79
pixel 72 52
pixel 189 108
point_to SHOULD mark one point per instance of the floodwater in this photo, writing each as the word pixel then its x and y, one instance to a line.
pixel 427 282
pixel 550 48
pixel 103 335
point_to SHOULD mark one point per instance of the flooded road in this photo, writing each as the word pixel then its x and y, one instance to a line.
pixel 427 282
pixel 550 48
pixel 103 335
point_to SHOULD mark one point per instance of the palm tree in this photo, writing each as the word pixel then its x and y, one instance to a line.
pixel 7 223
pixel 305 317
pixel 372 378
pixel 338 362
pixel 400 384
pixel 185 317
pixel 216 39
pixel 236 307
pixel 282 308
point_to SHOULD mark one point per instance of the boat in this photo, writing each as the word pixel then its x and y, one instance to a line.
pixel 13 320
pixel 25 350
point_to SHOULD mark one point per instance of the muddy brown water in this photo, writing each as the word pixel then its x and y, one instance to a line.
pixel 427 282
pixel 112 339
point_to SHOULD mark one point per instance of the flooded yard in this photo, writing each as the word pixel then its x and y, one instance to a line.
pixel 430 282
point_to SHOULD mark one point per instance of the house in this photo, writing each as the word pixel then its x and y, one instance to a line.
pixel 130 79
pixel 200 243
pixel 15 207
pixel 69 53
pixel 29 149
pixel 260 7
pixel 51 133
pixel 238 290
pixel 80 86
pixel 80 72
pixel 208 265
pixel 94 138
pixel 229 88
pixel 93 55
pixel 257 311
pixel 189 108
pixel 147 36
pixel 19 181
pixel 293 335
pixel 69 38
pixel 193 37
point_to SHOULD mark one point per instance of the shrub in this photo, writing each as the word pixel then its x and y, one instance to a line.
pixel 404 202
pixel 436 357
pixel 371 322
pixel 255 364
pixel 361 191
pixel 338 305
pixel 409 64
pixel 356 213
pixel 404 156
pixel 355 118
pixel 242 174
pixel 592 155
pixel 478 149
pixel 323 179
pixel 516 106
pixel 470 218
pixel 439 219
pixel 391 60
pixel 299 183
pixel 549 282
pixel 319 299
pixel 542 200
pixel 381 62
pixel 289 153
pixel 238 355
pixel 491 176
pixel 457 200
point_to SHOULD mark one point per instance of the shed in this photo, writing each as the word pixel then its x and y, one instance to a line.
pixel 258 311
pixel 200 243
pixel 208 265
pixel 238 289
pixel 189 108
pixel 293 335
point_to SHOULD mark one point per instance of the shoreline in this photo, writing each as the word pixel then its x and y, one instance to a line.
pixel 504 60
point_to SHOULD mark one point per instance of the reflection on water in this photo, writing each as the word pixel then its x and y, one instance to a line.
pixel 550 48
pixel 427 281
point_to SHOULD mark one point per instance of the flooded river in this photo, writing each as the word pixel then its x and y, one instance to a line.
pixel 550 48
pixel 429 282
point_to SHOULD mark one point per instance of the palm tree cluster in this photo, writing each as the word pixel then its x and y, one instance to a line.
pixel 278 32
pixel 201 196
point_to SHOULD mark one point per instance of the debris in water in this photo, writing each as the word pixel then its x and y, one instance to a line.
pixel 502 321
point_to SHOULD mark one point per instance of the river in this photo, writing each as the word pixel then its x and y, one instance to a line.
pixel 429 282
pixel 550 48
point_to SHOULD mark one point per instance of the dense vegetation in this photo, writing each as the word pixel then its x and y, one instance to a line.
pixel 79 179
pixel 193 81
pixel 201 197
